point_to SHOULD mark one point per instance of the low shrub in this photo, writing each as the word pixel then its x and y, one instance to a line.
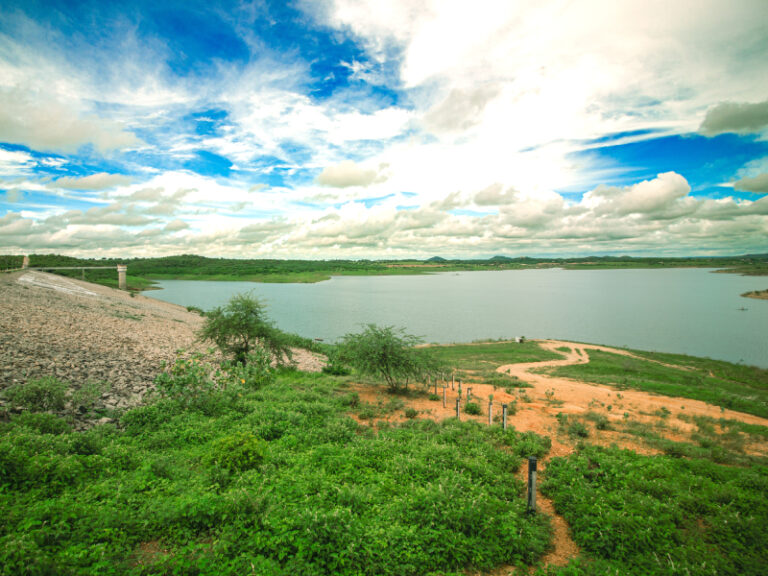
pixel 578 429
pixel 40 395
pixel 42 422
pixel 473 408
pixel 411 413
pixel 238 452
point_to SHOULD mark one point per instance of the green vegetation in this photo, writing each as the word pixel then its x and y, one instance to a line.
pixel 757 294
pixel 143 271
pixel 742 388
pixel 491 354
pixel 386 353
pixel 40 395
pixel 268 477
pixel 633 514
pixel 10 262
pixel 242 326
pixel 472 408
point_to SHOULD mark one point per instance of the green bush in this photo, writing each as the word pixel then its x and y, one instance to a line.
pixel 473 408
pixel 40 395
pixel 335 365
pixel 578 429
pixel 411 413
pixel 386 353
pixel 238 452
pixel 255 372
pixel 42 422
pixel 242 325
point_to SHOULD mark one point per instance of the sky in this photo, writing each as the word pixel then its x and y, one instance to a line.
pixel 384 129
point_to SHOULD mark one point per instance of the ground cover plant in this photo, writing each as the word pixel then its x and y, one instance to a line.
pixel 482 355
pixel 635 514
pixel 267 475
pixel 742 388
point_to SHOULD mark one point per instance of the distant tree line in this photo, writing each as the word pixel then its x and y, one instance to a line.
pixel 190 266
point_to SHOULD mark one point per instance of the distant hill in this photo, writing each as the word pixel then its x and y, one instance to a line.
pixel 436 259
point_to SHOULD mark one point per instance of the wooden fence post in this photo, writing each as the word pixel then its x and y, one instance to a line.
pixel 532 485
pixel 458 408
pixel 503 416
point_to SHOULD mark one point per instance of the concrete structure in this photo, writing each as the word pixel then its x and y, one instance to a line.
pixel 122 271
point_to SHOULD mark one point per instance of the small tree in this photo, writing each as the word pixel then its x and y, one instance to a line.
pixel 385 353
pixel 242 325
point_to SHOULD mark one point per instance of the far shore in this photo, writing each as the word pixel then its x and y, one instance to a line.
pixel 757 294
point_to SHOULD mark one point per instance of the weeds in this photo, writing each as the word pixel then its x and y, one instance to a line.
pixel 280 481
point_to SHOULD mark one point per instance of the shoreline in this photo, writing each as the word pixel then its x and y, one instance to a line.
pixel 757 294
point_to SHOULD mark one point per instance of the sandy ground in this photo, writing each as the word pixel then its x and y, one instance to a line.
pixel 538 406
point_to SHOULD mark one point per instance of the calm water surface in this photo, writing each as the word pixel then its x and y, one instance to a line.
pixel 690 311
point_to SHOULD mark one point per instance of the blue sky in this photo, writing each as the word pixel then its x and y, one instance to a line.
pixel 356 129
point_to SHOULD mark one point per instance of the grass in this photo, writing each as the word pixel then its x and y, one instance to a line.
pixel 271 479
pixel 742 388
pixel 480 356
pixel 634 514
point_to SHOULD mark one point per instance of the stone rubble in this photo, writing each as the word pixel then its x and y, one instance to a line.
pixel 81 332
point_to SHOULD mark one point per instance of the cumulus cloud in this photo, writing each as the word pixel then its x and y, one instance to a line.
pixel 495 195
pixel 757 184
pixel 738 117
pixel 99 181
pixel 348 173
pixel 176 226
pixel 52 125
pixel 648 198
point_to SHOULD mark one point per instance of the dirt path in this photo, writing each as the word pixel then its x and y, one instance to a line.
pixel 578 396
pixel 537 408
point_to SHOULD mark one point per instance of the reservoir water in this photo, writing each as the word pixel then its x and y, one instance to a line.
pixel 689 311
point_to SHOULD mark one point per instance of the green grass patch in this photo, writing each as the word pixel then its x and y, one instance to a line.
pixel 741 388
pixel 633 514
pixel 269 479
pixel 479 356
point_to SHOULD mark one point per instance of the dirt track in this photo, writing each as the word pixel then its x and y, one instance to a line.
pixel 538 406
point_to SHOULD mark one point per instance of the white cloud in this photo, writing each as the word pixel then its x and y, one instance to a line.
pixel 649 197
pixel 15 163
pixel 347 174
pixel 99 181
pixel 176 226
pixel 758 184
pixel 45 123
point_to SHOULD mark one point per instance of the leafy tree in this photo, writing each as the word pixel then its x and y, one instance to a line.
pixel 242 325
pixel 387 353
